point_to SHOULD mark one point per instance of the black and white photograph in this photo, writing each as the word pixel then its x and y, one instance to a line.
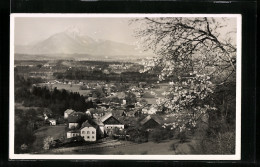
pixel 125 86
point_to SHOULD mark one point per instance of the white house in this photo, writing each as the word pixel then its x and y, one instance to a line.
pixel 88 132
pixel 73 133
pixel 52 122
pixel 88 112
pixel 45 117
pixel 73 125
pixel 68 112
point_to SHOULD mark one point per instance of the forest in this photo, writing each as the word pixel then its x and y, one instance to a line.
pixel 56 100
pixel 40 101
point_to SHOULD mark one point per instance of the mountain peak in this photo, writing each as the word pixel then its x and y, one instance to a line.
pixel 72 41
pixel 73 31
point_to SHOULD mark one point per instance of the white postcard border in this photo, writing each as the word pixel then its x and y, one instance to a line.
pixel 236 156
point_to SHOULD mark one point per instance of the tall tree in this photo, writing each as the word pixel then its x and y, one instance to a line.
pixel 197 54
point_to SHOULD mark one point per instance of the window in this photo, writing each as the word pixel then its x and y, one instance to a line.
pixel 93 132
pixel 88 137
pixel 83 132
pixel 87 132
pixel 93 137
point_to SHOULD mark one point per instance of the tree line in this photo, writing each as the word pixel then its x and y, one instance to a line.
pixel 99 75
pixel 56 100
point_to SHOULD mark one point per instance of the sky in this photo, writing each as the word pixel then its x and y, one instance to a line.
pixel 30 30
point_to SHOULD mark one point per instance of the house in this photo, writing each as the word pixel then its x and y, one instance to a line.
pixel 88 113
pixel 73 133
pixel 75 120
pixel 46 65
pixel 52 122
pixel 144 110
pixel 67 113
pixel 150 122
pixel 45 117
pixel 88 132
pixel 73 125
pixel 100 126
pixel 110 123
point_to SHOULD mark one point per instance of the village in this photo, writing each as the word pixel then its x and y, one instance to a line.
pixel 119 109
pixel 114 117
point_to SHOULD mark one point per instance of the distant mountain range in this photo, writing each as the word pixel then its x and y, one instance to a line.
pixel 73 44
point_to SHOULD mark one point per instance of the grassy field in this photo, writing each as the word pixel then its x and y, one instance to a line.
pixel 163 148
pixel 144 148
pixel 54 131
pixel 158 94
pixel 149 148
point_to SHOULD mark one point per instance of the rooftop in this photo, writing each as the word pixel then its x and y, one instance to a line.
pixel 105 117
pixel 69 111
pixel 86 124
pixel 97 122
pixel 155 118
pixel 73 131
pixel 75 117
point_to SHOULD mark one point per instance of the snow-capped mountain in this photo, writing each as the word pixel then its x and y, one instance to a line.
pixel 72 41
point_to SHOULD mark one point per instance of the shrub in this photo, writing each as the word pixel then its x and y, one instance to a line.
pixel 183 137
pixel 24 148
pixel 157 135
pixel 48 142
pixel 138 136
pixel 222 143
pixel 74 141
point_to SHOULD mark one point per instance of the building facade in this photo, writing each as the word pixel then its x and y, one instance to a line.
pixel 73 125
pixel 68 112
pixel 111 123
pixel 89 133
pixel 52 122
pixel 73 133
